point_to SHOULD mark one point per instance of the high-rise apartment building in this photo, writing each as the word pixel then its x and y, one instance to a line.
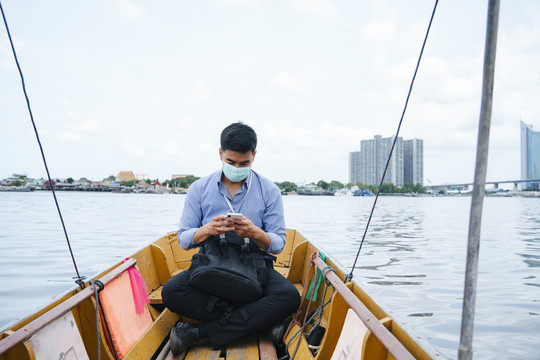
pixel 354 166
pixel 530 155
pixel 413 169
pixel 368 164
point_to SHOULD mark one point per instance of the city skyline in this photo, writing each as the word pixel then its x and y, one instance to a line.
pixel 405 166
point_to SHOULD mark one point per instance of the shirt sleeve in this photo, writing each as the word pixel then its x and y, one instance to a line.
pixel 191 219
pixel 274 221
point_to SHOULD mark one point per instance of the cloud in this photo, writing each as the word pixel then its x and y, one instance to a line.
pixel 90 126
pixel 198 94
pixel 378 31
pixel 207 146
pixel 129 9
pixel 132 150
pixel 238 3
pixel 286 82
pixel 299 81
pixel 172 148
pixel 319 8
pixel 69 136
pixel 185 123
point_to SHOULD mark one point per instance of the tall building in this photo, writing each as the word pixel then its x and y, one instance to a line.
pixel 413 169
pixel 530 155
pixel 367 165
pixel 354 166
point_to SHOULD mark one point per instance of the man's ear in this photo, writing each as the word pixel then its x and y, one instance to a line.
pixel 254 153
pixel 220 154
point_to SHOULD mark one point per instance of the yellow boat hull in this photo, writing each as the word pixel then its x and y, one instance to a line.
pixel 164 258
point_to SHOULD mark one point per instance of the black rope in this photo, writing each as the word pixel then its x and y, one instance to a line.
pixel 98 306
pixel 350 276
pixel 79 280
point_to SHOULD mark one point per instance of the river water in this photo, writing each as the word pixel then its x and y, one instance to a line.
pixel 412 261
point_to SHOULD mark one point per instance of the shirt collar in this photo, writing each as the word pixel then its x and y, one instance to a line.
pixel 223 190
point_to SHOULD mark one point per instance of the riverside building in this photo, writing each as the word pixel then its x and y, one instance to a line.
pixel 530 156
pixel 405 166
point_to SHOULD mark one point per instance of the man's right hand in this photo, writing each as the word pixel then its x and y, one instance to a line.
pixel 219 225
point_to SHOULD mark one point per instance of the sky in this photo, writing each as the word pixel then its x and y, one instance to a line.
pixel 148 86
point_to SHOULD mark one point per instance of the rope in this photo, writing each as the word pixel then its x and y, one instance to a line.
pixel 97 316
pixel 98 306
pixel 78 279
pixel 306 295
pixel 350 276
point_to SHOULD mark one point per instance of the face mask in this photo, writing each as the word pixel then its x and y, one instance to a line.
pixel 235 174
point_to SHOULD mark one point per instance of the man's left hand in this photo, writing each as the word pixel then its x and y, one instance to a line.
pixel 245 228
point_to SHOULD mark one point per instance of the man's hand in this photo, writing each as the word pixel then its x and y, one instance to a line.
pixel 219 225
pixel 246 229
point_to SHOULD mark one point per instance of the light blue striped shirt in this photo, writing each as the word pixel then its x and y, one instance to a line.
pixel 263 206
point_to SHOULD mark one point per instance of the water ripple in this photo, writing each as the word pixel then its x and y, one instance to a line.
pixel 412 260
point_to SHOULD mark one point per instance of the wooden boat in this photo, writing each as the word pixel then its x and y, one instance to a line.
pixel 356 327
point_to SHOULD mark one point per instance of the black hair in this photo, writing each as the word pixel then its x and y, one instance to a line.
pixel 239 137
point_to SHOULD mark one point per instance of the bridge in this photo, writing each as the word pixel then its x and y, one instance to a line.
pixel 465 186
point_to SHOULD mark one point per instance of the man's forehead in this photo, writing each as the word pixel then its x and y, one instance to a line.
pixel 236 154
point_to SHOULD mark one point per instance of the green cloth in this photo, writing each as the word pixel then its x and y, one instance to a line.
pixel 313 289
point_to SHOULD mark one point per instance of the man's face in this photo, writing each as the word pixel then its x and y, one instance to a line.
pixel 237 159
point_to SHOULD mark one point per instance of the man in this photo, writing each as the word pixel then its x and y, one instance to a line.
pixel 235 188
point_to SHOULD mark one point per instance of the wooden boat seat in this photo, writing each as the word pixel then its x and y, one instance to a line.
pixel 253 346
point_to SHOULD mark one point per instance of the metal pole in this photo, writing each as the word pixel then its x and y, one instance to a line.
pixel 469 295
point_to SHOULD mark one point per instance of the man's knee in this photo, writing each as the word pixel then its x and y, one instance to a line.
pixel 168 294
pixel 174 291
pixel 294 299
pixel 287 296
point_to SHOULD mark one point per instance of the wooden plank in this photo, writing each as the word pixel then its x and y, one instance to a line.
pixel 155 296
pixel 245 348
pixel 337 311
pixel 22 351
pixel 267 350
pixel 27 331
pixel 284 258
pixel 297 269
pixel 160 263
pixel 373 348
pixel 59 340
pixel 298 344
pixel 147 268
pixel 202 350
pixel 149 342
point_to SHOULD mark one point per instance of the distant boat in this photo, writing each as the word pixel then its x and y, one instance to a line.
pixel 363 192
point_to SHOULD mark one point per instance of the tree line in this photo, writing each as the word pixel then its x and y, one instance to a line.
pixel 334 185
pixel 286 186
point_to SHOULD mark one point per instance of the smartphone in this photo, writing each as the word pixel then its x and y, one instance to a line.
pixel 236 216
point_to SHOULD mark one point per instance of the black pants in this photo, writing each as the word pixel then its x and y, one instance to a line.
pixel 280 299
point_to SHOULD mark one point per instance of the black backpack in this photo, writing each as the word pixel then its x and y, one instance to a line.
pixel 232 268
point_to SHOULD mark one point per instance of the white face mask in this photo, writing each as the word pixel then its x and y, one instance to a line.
pixel 235 174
